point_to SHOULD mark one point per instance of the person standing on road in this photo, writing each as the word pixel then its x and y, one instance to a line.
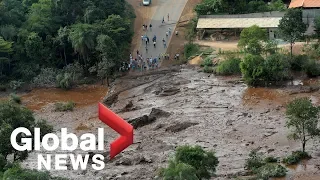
pixel 150 27
pixel 148 39
pixel 169 30
pixel 164 43
pixel 163 20
pixel 138 53
pixel 167 34
pixel 168 17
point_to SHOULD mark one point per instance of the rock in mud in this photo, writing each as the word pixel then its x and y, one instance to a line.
pixel 158 113
pixel 145 120
pixel 180 126
pixel 141 121
pixel 111 99
pixel 124 161
pixel 169 91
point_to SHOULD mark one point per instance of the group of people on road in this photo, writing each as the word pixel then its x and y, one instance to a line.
pixel 141 64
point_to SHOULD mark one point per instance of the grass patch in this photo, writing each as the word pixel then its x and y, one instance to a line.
pixel 295 157
pixel 64 106
pixel 229 66
pixel 15 98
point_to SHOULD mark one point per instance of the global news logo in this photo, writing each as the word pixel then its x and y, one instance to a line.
pixel 87 142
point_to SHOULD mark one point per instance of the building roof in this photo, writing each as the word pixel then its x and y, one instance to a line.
pixel 305 3
pixel 232 23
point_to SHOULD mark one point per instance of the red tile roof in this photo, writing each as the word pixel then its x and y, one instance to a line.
pixel 305 3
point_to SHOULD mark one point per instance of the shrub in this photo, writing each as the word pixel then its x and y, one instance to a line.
pixel 15 98
pixel 229 66
pixel 271 170
pixel 60 106
pixel 270 159
pixel 276 67
pixel 16 172
pixel 207 62
pixel 190 49
pixel 254 161
pixel 258 71
pixel 203 161
pixel 298 62
pixel 44 126
pixel 177 170
pixel 15 85
pixel 64 80
pixel 208 69
pixel 295 157
pixel 311 68
pixel 252 69
pixel 46 78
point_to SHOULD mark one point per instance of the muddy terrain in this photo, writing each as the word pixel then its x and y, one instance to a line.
pixel 180 105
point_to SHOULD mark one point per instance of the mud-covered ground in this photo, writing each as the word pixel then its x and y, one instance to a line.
pixel 190 107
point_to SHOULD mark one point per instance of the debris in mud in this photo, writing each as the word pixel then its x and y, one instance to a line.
pixel 159 126
pixel 129 107
pixel 111 99
pixel 145 120
pixel 304 89
pixel 141 121
pixel 180 126
pixel 169 91
pixel 159 113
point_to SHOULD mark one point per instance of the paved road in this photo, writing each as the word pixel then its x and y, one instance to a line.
pixel 174 8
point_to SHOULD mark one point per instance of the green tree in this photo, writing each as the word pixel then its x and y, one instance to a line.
pixel 82 37
pixel 252 69
pixel 40 18
pixel 277 5
pixel 276 68
pixel 317 27
pixel 251 39
pixel 62 39
pixel 291 26
pixel 203 161
pixel 178 171
pixel 13 116
pixel 302 120
pixel 34 48
pixel 5 50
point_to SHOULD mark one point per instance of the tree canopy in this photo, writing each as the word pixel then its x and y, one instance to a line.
pixel 45 34
pixel 292 27
pixel 302 120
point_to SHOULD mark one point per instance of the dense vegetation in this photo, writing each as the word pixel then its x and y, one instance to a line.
pixel 191 163
pixel 262 167
pixel 209 7
pixel 48 41
pixel 12 116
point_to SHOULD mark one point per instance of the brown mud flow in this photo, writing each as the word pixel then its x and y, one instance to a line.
pixel 82 96
pixel 301 171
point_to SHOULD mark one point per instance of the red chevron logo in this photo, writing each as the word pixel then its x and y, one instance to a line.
pixel 120 126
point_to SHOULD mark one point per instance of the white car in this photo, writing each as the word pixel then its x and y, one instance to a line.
pixel 146 2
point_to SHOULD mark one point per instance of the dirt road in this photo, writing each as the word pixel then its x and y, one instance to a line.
pixel 158 11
